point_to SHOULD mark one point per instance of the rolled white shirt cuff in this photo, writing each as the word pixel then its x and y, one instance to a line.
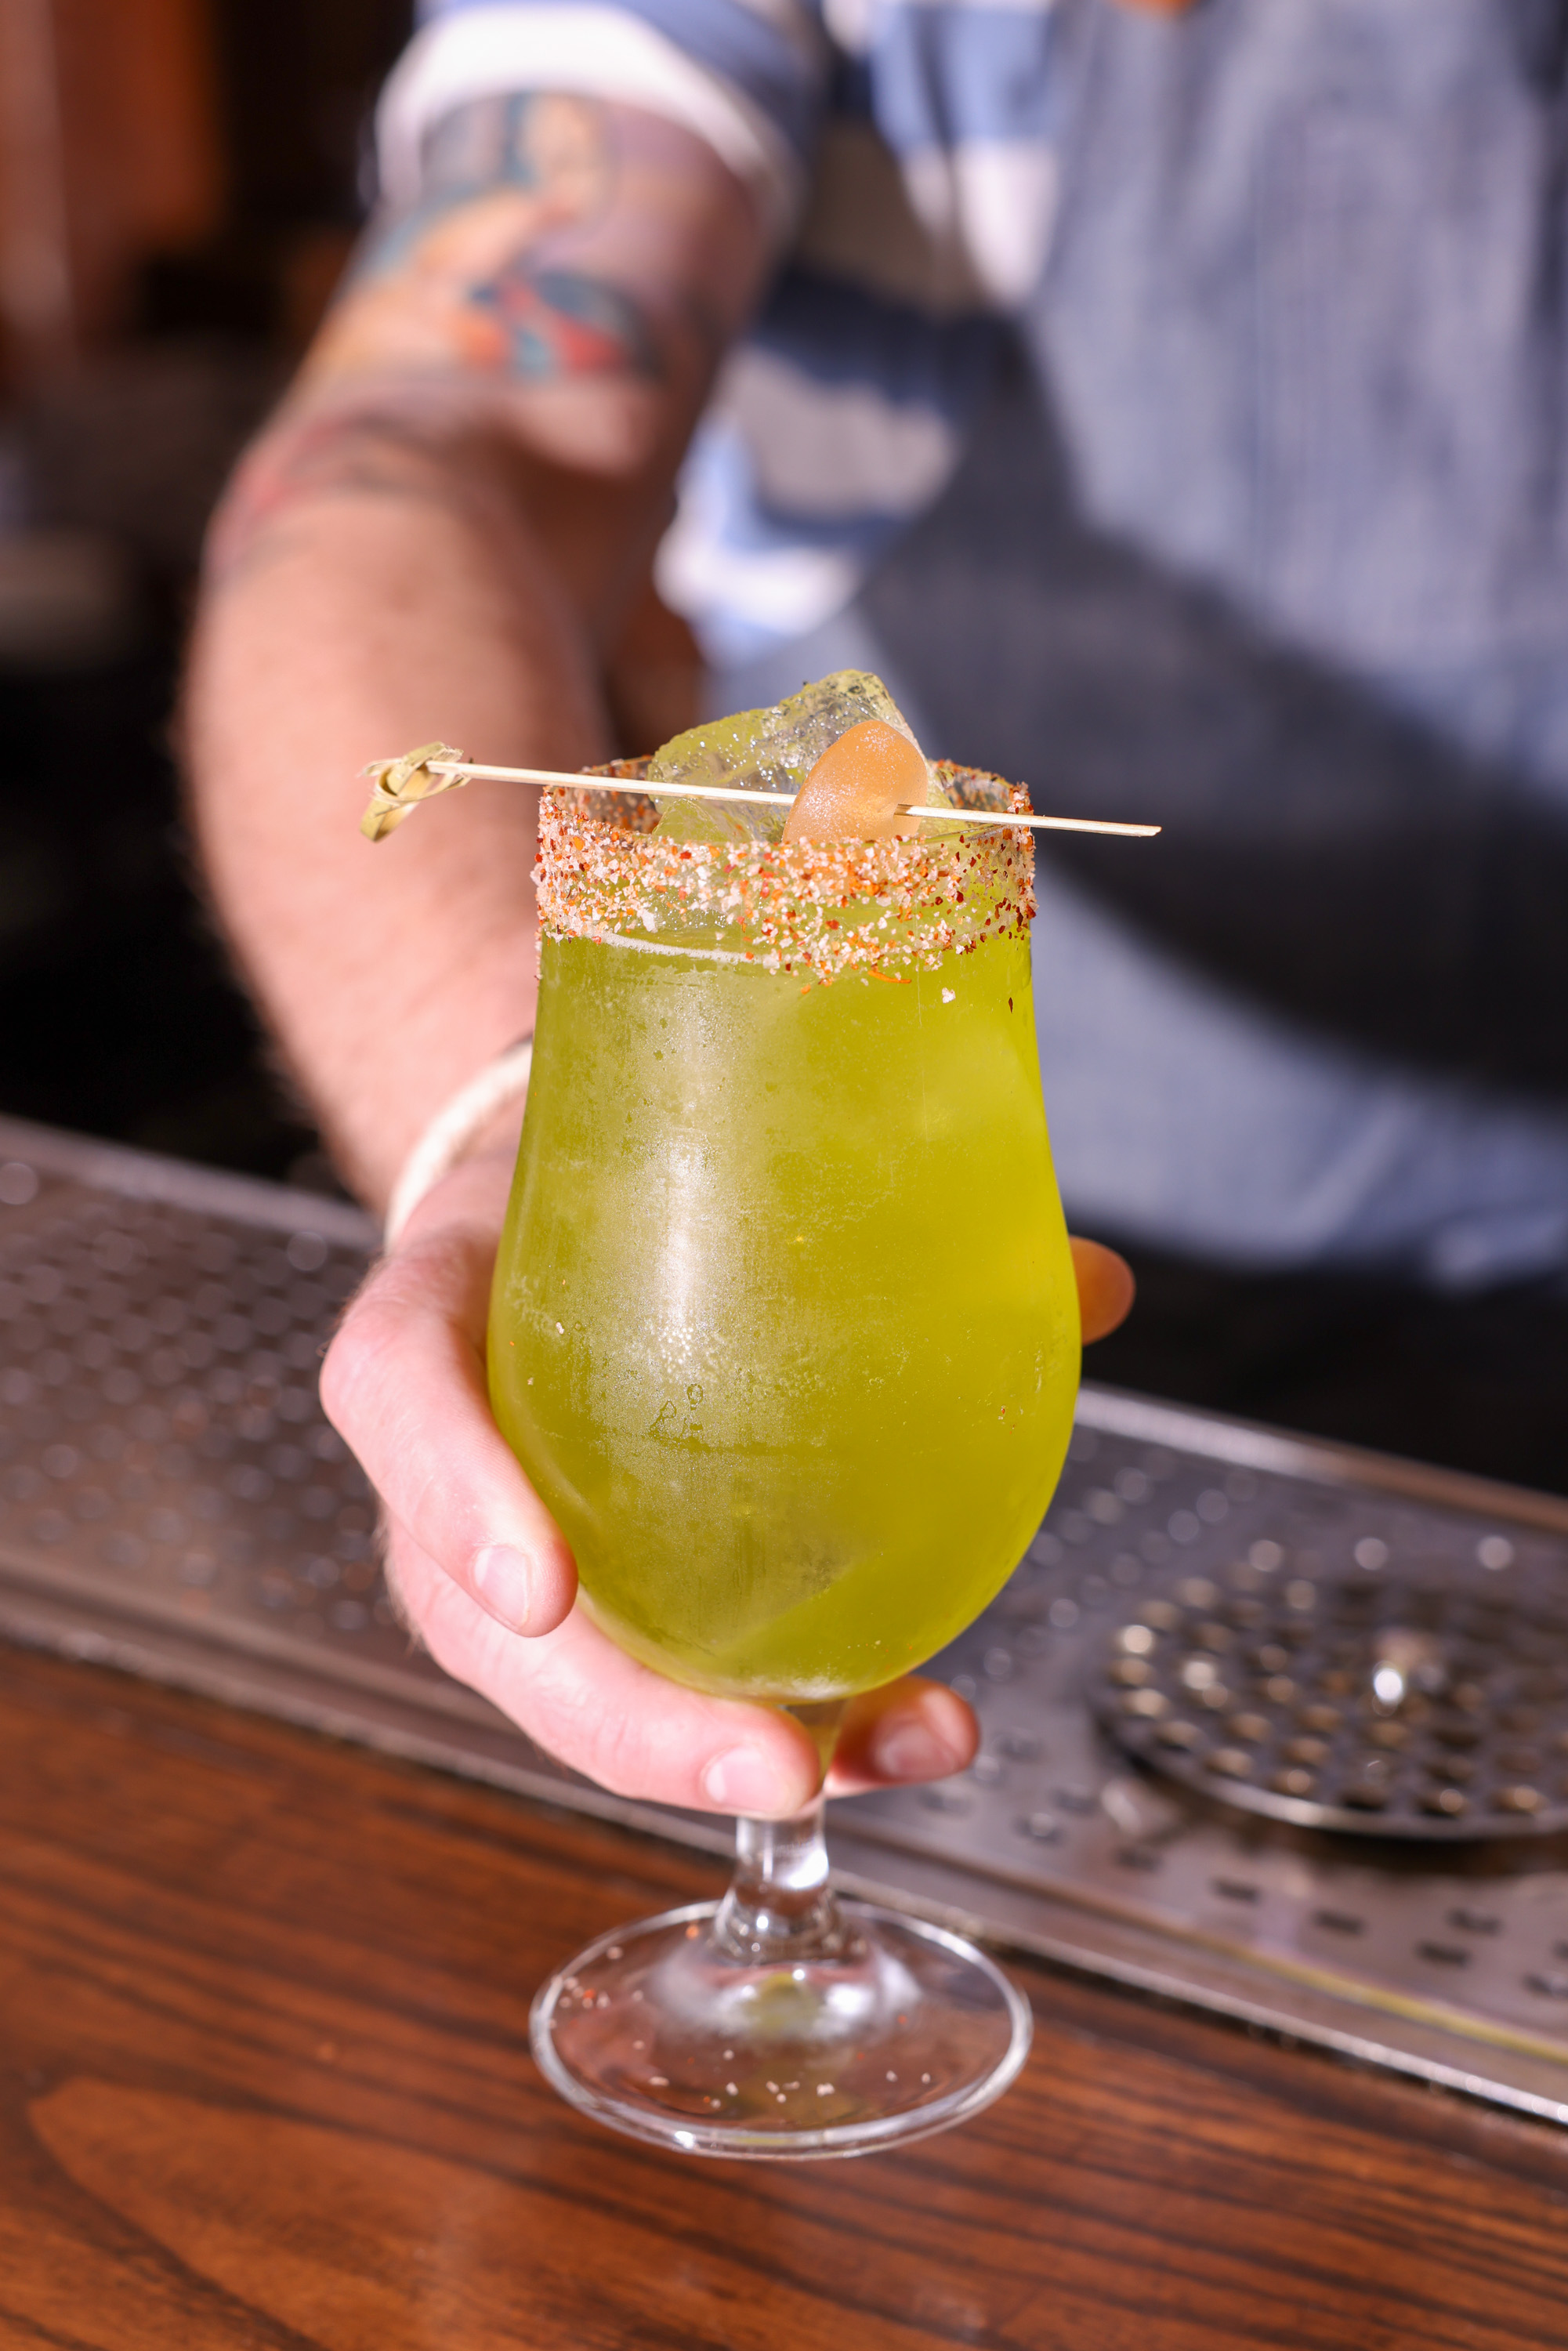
pixel 602 52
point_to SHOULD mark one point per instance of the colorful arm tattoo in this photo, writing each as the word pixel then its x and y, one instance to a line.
pixel 557 243
pixel 554 237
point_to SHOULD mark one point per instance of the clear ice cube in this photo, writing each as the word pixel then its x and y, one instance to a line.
pixel 771 750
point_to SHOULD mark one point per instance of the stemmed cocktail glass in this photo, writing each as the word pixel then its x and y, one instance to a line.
pixel 784 1331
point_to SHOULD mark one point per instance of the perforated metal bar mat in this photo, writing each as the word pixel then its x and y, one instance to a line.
pixel 172 1503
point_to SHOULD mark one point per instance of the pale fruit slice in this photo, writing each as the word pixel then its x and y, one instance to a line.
pixel 857 787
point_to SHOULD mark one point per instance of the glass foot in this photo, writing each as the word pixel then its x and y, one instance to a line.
pixel 660 2031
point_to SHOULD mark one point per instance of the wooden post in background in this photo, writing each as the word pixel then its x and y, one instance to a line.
pixel 110 151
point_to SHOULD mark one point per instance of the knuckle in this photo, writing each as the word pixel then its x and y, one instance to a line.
pixel 445 1271
pixel 430 1298
pixel 616 1751
pixel 570 1719
pixel 371 1343
pixel 357 1348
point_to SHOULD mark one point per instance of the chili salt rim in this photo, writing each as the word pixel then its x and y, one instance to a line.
pixel 603 873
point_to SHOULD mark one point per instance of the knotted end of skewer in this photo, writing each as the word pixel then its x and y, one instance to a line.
pixel 402 784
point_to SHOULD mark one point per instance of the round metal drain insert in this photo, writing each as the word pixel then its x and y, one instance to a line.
pixel 1387 1708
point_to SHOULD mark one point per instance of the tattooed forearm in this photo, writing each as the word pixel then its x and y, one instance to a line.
pixel 561 289
pixel 558 150
pixel 554 323
pixel 554 239
pixel 333 454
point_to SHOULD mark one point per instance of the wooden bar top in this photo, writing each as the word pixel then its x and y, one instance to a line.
pixel 264 2081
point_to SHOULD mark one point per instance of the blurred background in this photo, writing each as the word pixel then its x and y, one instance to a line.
pixel 181 184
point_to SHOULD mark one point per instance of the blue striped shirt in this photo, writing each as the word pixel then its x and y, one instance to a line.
pixel 1304 363
pixel 903 154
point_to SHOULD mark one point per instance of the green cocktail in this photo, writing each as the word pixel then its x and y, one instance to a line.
pixel 784 1328
pixel 784 1331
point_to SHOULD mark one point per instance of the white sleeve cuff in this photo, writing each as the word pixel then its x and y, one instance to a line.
pixel 591 52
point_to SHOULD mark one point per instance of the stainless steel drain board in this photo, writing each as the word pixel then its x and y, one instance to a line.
pixel 1406 1704
pixel 171 1502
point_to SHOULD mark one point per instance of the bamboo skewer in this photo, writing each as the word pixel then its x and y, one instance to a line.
pixel 402 784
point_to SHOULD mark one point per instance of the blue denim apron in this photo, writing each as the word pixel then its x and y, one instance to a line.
pixel 1266 535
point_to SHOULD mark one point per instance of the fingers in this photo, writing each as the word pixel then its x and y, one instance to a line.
pixel 597 1710
pixel 592 1707
pixel 1105 1288
pixel 476 1560
pixel 404 1384
pixel 913 1730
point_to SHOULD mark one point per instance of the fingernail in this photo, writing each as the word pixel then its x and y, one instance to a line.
pixel 904 1748
pixel 504 1579
pixel 743 1781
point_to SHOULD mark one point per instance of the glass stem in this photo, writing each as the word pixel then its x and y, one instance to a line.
pixel 779 1907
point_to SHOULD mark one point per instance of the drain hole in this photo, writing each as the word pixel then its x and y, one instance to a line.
pixel 1444 1955
pixel 1235 1890
pixel 1473 1922
pixel 1134 1856
pixel 1552 1983
pixel 1081 1801
pixel 1339 1922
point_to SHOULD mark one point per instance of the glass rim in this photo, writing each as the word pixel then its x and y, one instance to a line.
pixel 821 909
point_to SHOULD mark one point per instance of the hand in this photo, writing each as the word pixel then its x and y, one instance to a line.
pixel 484 1575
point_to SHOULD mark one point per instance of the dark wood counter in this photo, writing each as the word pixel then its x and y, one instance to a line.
pixel 264 2081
